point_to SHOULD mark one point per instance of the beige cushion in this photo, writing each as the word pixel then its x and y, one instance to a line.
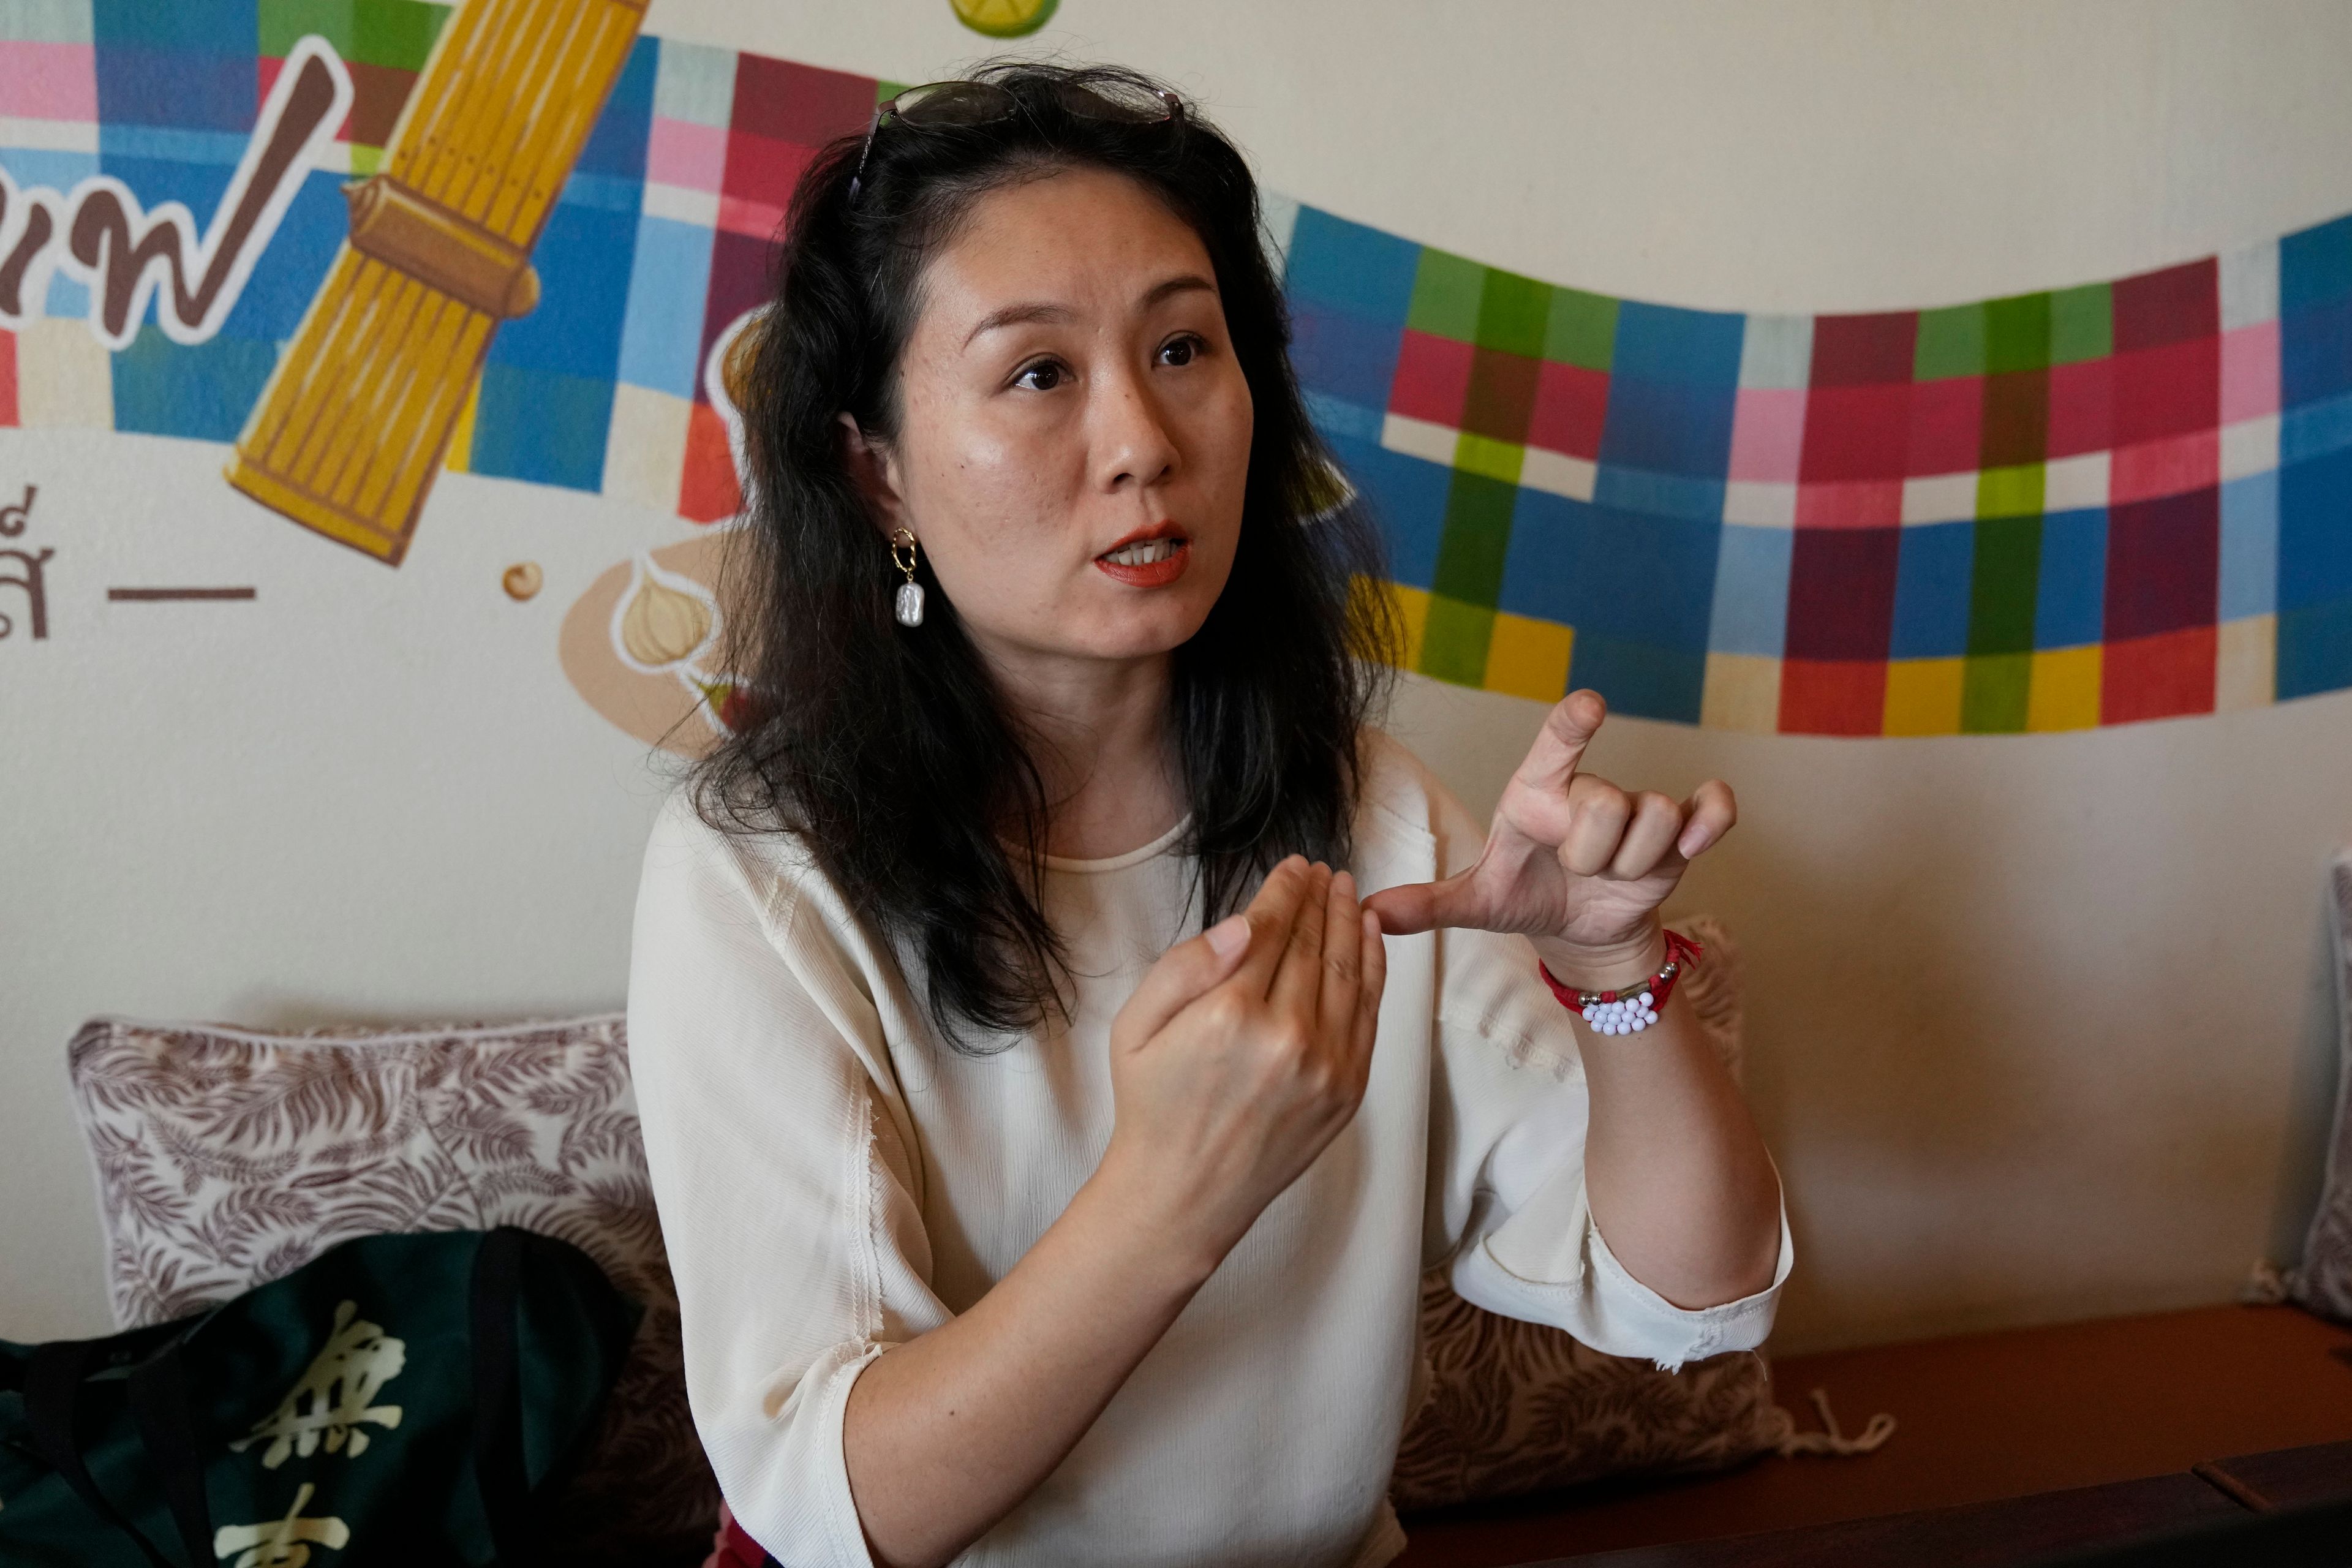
pixel 226 1158
pixel 1515 1407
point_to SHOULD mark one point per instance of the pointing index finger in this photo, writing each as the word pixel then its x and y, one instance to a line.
pixel 1559 745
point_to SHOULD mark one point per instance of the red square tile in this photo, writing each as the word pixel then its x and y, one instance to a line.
pixel 2168 306
pixel 1864 351
pixel 1842 592
pixel 1502 394
pixel 2016 419
pixel 2167 390
pixel 1856 432
pixel 1433 379
pixel 1850 503
pixel 708 492
pixel 739 282
pixel 2157 676
pixel 8 410
pixel 1571 402
pixel 786 102
pixel 1947 426
pixel 2082 408
pixel 2163 564
pixel 763 170
pixel 1833 697
pixel 2167 467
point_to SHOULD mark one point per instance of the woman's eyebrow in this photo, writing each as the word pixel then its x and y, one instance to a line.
pixel 1046 310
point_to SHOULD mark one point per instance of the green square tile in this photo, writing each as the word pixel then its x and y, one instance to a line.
pixel 1581 329
pixel 2002 586
pixel 1951 342
pixel 1486 456
pixel 1455 640
pixel 395 33
pixel 1993 693
pixel 2011 492
pixel 1446 292
pixel 283 22
pixel 1478 536
pixel 1513 313
pixel 2017 333
pixel 365 161
pixel 2082 323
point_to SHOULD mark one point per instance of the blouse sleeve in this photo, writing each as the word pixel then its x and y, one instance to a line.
pixel 785 1193
pixel 1507 1209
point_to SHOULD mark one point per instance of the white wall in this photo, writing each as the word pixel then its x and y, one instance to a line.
pixel 1978 1048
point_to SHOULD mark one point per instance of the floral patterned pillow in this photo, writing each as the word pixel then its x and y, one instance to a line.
pixel 1515 1407
pixel 227 1158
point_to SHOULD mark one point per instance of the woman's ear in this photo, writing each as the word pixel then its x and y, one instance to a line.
pixel 874 469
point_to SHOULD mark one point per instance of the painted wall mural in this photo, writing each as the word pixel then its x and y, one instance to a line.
pixel 515 239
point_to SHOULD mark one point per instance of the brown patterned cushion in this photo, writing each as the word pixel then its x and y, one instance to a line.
pixel 1517 1408
pixel 227 1158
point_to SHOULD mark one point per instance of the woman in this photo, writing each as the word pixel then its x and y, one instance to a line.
pixel 1060 988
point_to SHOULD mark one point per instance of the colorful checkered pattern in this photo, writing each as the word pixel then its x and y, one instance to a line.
pixel 660 240
pixel 2121 501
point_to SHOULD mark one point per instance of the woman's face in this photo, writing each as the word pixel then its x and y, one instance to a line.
pixel 1074 432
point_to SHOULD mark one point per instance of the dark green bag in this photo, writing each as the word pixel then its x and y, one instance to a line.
pixel 399 1399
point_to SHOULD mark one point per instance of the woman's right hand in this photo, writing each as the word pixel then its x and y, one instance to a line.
pixel 1242 1053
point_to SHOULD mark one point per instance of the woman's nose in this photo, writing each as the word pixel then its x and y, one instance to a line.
pixel 1132 444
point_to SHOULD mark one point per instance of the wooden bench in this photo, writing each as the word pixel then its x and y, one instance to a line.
pixel 2010 1443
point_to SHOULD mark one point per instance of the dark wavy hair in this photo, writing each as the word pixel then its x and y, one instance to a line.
pixel 888 751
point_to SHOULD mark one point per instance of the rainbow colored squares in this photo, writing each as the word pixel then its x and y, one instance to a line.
pixel 2121 501
pixel 2102 504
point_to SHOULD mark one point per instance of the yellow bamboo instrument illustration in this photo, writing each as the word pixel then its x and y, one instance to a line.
pixel 356 419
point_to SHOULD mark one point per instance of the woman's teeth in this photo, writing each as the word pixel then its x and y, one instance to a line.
pixel 1144 552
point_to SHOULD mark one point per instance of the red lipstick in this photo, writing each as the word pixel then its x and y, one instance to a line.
pixel 1166 555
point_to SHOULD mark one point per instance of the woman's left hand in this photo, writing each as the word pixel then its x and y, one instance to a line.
pixel 1571 860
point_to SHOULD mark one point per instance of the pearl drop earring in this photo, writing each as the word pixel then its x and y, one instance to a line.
pixel 910 605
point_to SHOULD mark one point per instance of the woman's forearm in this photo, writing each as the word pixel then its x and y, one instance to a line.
pixel 1676 1173
pixel 945 1434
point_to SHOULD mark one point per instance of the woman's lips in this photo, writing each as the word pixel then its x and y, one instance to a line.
pixel 1151 574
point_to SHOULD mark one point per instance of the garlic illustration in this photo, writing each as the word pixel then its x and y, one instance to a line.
pixel 664 620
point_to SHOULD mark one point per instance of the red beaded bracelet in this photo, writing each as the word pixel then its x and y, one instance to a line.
pixel 1630 1011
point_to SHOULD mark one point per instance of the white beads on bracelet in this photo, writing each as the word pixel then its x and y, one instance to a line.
pixel 1627 1015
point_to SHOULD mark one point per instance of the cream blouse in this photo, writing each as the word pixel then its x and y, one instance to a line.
pixel 833 1181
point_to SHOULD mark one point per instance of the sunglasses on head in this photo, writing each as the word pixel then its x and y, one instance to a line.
pixel 955 103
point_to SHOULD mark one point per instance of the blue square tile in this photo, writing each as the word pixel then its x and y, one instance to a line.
pixel 199 88
pixel 287 273
pixel 1647 679
pixel 1347 267
pixel 202 393
pixel 60 172
pixel 1668 426
pixel 1339 419
pixel 1661 343
pixel 2249 546
pixel 1686 496
pixel 2070 591
pixel 617 145
pixel 2315 648
pixel 1934 564
pixel 2314 356
pixel 1750 614
pixel 543 426
pixel 1631 575
pixel 662 322
pixel 2314 533
pixel 2316 266
pixel 1544 563
pixel 1407 497
pixel 179 25
pixel 1344 355
pixel 583 257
